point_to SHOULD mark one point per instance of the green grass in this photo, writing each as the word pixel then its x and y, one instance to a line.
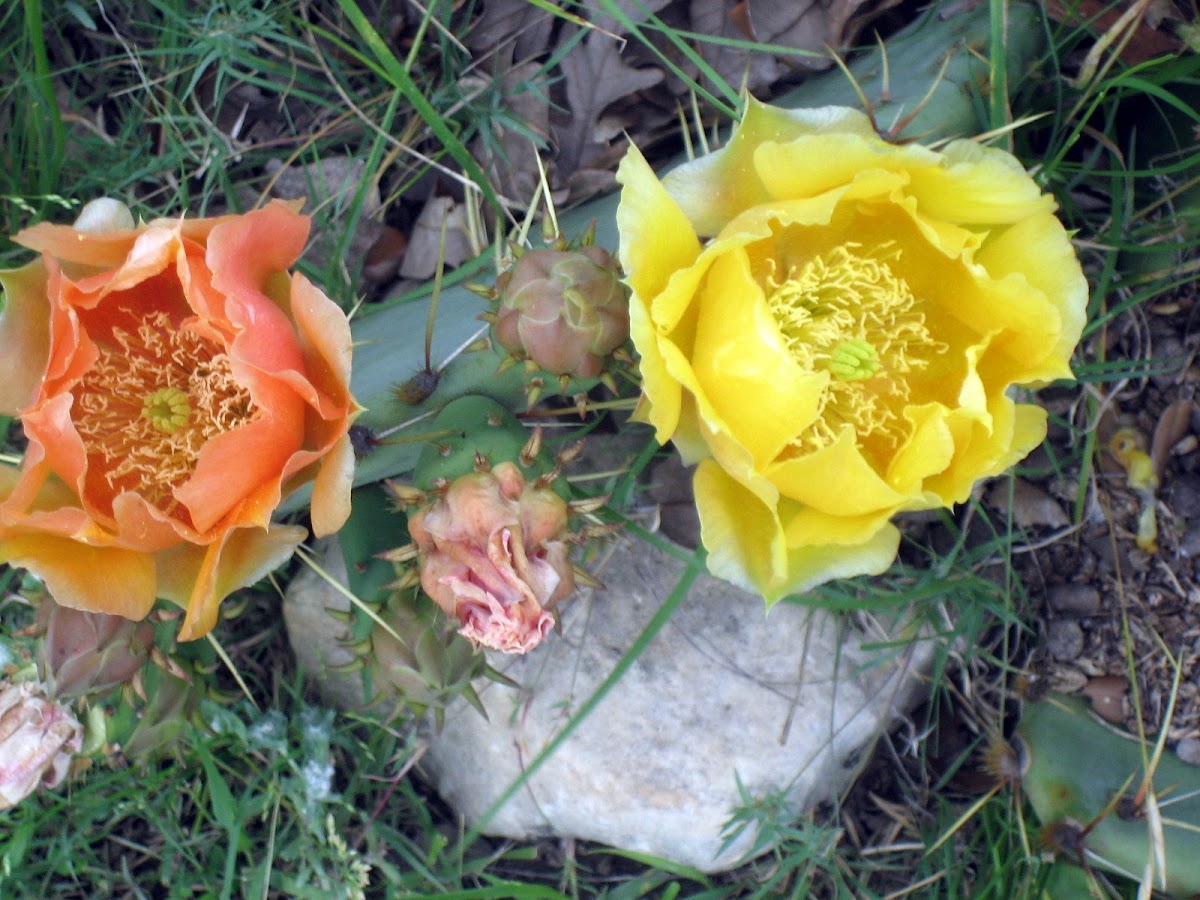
pixel 292 800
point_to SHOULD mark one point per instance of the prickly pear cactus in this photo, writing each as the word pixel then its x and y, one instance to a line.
pixel 1105 799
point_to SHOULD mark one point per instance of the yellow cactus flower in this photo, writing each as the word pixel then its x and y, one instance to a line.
pixel 829 324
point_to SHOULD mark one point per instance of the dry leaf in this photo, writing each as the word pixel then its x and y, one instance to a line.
pixel 1031 506
pixel 420 262
pixel 1173 425
pixel 595 77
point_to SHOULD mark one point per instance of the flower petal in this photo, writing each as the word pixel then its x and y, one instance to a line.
pixel 719 186
pixel 331 489
pixel 819 479
pixel 742 365
pixel 741 531
pixel 95 579
pixel 656 239
pixel 24 335
pixel 1038 250
pixel 199 578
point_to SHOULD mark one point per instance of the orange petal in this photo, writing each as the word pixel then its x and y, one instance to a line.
pixel 104 251
pixel 326 345
pixel 95 579
pixel 244 252
pixel 24 335
pixel 331 490
pixel 199 578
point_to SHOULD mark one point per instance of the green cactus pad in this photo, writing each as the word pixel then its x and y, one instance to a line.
pixel 1077 766
pixel 481 426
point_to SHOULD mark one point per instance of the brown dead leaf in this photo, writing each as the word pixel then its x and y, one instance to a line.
pixel 420 261
pixel 512 30
pixel 595 77
pixel 802 26
pixel 1031 506
pixel 1172 426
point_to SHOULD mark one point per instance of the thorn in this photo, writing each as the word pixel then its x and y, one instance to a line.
pixel 587 505
pixel 533 392
pixel 138 686
pixel 405 495
pixel 361 648
pixel 585 578
pixel 609 382
pixel 484 343
pixel 568 454
pixel 355 665
pixel 481 290
pixel 481 463
pixel 507 363
pixel 581 401
pixel 167 664
pixel 563 381
pixel 530 366
pixel 402 554
pixel 489 317
pixel 532 448
pixel 409 578
pixel 622 355
pixel 344 616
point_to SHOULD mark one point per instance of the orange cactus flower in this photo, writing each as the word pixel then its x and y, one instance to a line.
pixel 175 383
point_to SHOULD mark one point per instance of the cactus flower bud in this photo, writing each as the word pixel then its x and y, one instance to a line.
pixel 89 653
pixel 38 737
pixel 493 556
pixel 567 310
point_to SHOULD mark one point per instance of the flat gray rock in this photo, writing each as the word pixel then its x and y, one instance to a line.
pixel 787 702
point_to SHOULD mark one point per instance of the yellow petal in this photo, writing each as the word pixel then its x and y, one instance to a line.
pixel 812 165
pixel 740 531
pixel 835 480
pixel 24 335
pixel 977 185
pixel 94 579
pixel 717 187
pixel 1038 250
pixel 1015 430
pixel 331 489
pixel 927 451
pixel 743 367
pixel 809 566
pixel 656 239
pixel 805 528
pixel 198 578
pixel 661 394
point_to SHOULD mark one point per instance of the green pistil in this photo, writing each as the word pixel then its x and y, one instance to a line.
pixel 167 409
pixel 853 360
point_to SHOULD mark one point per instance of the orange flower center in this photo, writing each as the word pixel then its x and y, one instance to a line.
pixel 847 313
pixel 149 404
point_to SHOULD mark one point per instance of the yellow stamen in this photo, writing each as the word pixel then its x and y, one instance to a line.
pixel 151 402
pixel 847 313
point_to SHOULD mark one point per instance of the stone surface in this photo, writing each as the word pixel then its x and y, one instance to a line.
pixel 785 702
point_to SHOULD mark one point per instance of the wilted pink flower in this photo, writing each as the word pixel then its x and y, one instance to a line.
pixel 37 740
pixel 493 556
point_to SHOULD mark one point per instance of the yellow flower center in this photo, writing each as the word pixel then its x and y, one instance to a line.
pixel 847 313
pixel 149 404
